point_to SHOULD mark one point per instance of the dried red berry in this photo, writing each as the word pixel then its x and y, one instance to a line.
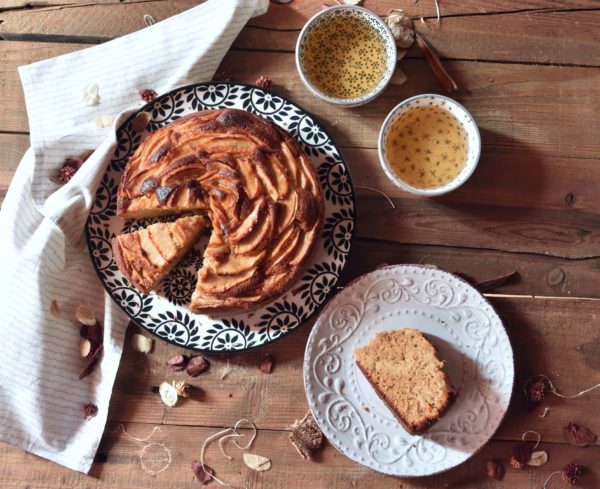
pixel 90 410
pixel 266 366
pixel 148 95
pixel 264 82
pixel 571 473
pixel 495 469
pixel 177 363
pixel 579 435
pixel 196 366
pixel 203 473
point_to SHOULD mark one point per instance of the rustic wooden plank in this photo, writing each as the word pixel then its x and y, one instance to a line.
pixel 12 148
pixel 517 106
pixel 122 469
pixel 548 336
pixel 477 37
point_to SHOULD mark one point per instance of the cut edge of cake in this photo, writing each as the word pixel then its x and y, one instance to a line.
pixel 189 227
pixel 448 395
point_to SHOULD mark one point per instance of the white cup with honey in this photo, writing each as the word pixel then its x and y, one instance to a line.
pixel 429 145
pixel 346 55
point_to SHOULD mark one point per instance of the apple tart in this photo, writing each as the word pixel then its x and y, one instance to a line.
pixel 255 184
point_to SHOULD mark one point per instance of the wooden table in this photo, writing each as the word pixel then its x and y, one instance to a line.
pixel 529 72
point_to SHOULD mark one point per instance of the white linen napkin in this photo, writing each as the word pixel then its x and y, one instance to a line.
pixel 43 256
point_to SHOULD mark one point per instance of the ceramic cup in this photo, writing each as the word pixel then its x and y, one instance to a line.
pixel 381 28
pixel 463 117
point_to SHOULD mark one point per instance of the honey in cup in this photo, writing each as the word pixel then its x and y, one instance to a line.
pixel 344 56
pixel 426 147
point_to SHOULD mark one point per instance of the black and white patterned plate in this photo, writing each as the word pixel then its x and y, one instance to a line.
pixel 164 313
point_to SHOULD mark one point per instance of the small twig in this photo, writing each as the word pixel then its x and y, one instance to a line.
pixel 539 437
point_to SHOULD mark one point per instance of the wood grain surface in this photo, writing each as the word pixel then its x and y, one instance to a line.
pixel 529 72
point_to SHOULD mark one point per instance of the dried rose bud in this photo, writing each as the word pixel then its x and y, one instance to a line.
pixel 578 435
pixel 536 388
pixel 182 387
pixel 571 473
pixel 90 410
pixel 177 363
pixel 148 95
pixel 264 82
pixel 495 469
pixel 266 366
pixel 67 172
pixel 196 366
pixel 203 472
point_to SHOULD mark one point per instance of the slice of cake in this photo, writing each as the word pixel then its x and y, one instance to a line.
pixel 147 256
pixel 404 369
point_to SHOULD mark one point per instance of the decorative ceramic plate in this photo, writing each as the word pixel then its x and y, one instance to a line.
pixel 164 312
pixel 469 336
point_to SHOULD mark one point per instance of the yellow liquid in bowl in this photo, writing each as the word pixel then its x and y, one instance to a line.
pixel 426 147
pixel 344 57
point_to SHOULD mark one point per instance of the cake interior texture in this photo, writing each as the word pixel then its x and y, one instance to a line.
pixel 404 369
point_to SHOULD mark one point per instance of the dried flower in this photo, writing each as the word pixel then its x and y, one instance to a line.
pixel 266 366
pixel 90 410
pixel 579 435
pixel 571 473
pixel 148 95
pixel 535 388
pixel 538 458
pixel 196 366
pixel 182 387
pixel 402 28
pixel 66 172
pixel 264 82
pixel 495 469
pixel 142 343
pixel 91 95
pixel 177 363
pixel 257 462
pixel 168 394
pixel 203 472
pixel 521 454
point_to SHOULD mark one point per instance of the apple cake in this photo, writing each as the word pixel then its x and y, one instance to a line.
pixel 147 256
pixel 255 184
pixel 405 371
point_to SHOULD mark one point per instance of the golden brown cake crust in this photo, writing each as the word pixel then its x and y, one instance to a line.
pixel 258 188
pixel 446 394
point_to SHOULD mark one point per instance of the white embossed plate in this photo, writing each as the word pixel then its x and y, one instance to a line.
pixel 469 336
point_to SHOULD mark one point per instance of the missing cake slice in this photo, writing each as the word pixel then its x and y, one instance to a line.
pixel 405 371
pixel 147 256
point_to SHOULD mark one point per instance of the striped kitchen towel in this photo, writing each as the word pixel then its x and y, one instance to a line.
pixel 44 258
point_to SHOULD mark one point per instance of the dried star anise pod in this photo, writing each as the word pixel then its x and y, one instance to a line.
pixel 264 82
pixel 266 366
pixel 90 410
pixel 495 469
pixel 148 95
pixel 177 363
pixel 535 388
pixel 203 472
pixel 578 435
pixel 196 366
pixel 571 473
pixel 521 453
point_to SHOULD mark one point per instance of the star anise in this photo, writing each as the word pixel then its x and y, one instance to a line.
pixel 571 473
pixel 264 82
